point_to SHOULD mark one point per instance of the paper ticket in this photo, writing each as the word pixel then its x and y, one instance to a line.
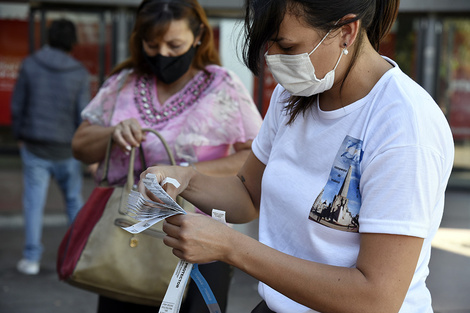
pixel 174 294
pixel 149 212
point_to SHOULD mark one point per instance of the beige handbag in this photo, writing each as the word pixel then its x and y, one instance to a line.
pixel 96 254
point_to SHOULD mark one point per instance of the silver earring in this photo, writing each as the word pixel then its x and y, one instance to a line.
pixel 345 50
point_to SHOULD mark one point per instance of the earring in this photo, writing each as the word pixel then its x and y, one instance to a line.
pixel 345 50
pixel 199 43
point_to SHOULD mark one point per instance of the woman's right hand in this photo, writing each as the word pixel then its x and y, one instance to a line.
pixel 180 173
pixel 127 134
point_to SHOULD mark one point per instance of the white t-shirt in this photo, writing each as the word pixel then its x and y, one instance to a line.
pixel 378 165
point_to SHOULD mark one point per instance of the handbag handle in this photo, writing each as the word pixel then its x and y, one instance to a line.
pixel 165 144
pixel 130 172
pixel 180 200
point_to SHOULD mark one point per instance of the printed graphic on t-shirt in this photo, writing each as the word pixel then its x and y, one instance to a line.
pixel 338 204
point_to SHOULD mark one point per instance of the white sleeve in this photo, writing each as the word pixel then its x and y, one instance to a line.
pixel 400 191
pixel 263 142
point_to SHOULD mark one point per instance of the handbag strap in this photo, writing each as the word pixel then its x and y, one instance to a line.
pixel 130 171
pixel 179 199
pixel 165 144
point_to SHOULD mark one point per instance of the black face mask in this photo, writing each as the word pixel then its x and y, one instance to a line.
pixel 170 69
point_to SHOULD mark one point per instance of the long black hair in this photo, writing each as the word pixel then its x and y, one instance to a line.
pixel 263 18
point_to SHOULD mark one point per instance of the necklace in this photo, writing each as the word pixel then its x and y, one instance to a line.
pixel 144 98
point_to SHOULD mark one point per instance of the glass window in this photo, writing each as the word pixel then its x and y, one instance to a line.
pixel 407 45
pixel 453 89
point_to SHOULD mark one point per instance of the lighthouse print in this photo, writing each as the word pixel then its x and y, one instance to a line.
pixel 338 204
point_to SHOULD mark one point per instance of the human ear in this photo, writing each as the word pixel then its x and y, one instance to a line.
pixel 349 31
pixel 198 38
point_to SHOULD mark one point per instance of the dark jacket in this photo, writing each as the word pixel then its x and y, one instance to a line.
pixel 51 91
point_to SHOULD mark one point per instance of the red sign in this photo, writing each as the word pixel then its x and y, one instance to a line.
pixel 13 49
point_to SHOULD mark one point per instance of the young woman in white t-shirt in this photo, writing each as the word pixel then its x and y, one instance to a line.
pixel 347 173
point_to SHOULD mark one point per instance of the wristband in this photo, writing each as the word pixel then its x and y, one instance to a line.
pixel 186 164
pixel 169 180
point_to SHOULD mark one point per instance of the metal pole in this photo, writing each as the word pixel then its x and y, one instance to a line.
pixel 122 35
pixel 43 27
pixel 430 53
pixel 101 52
pixel 31 28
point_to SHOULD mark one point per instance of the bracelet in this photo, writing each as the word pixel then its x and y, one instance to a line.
pixel 188 164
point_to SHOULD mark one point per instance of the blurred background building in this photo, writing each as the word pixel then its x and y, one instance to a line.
pixel 430 41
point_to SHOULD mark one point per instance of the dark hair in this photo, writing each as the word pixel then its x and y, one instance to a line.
pixel 62 35
pixel 263 18
pixel 153 19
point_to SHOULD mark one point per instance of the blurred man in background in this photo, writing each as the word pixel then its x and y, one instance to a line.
pixel 51 90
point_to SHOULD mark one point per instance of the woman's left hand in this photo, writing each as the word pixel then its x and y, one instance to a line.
pixel 197 238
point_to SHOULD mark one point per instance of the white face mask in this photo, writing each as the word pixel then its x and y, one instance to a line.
pixel 297 75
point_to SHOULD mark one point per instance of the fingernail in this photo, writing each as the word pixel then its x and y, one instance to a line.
pixel 128 148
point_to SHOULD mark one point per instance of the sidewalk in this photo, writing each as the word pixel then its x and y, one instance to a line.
pixel 449 279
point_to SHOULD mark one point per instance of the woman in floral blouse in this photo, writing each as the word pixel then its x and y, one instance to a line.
pixel 172 83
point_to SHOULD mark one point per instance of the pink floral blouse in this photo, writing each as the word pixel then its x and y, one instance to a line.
pixel 199 123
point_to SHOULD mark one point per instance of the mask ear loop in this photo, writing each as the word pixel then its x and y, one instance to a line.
pixel 320 43
pixel 324 40
pixel 344 52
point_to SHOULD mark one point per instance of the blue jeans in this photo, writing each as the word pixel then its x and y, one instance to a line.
pixel 37 173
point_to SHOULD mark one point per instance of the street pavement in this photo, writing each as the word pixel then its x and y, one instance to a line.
pixel 449 279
